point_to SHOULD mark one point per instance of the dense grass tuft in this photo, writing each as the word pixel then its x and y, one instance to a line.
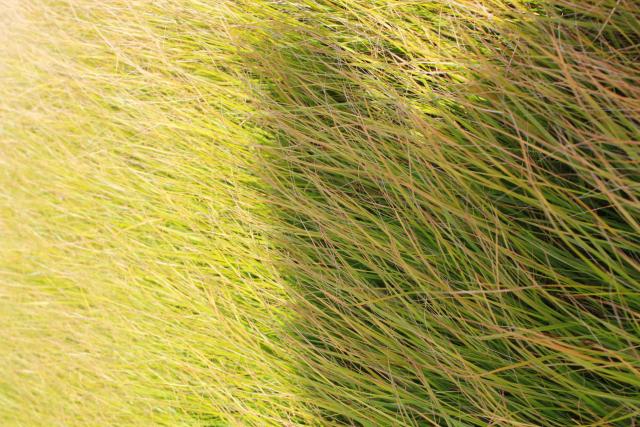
pixel 329 212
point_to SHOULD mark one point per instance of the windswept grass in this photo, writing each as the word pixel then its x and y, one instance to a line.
pixel 330 212
pixel 136 282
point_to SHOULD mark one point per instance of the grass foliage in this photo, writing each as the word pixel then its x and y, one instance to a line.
pixel 329 212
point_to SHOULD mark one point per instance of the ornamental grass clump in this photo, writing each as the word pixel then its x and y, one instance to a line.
pixel 329 212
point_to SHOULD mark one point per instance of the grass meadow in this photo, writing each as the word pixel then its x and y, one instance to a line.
pixel 319 213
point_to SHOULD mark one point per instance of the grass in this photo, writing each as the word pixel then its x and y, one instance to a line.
pixel 332 212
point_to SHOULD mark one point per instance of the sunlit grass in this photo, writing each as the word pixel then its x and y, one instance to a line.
pixel 334 212
pixel 136 282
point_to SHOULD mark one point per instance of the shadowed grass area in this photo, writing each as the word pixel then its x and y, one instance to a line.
pixel 332 212
pixel 458 187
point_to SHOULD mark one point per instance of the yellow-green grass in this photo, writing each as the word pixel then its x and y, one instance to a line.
pixel 136 283
pixel 329 212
